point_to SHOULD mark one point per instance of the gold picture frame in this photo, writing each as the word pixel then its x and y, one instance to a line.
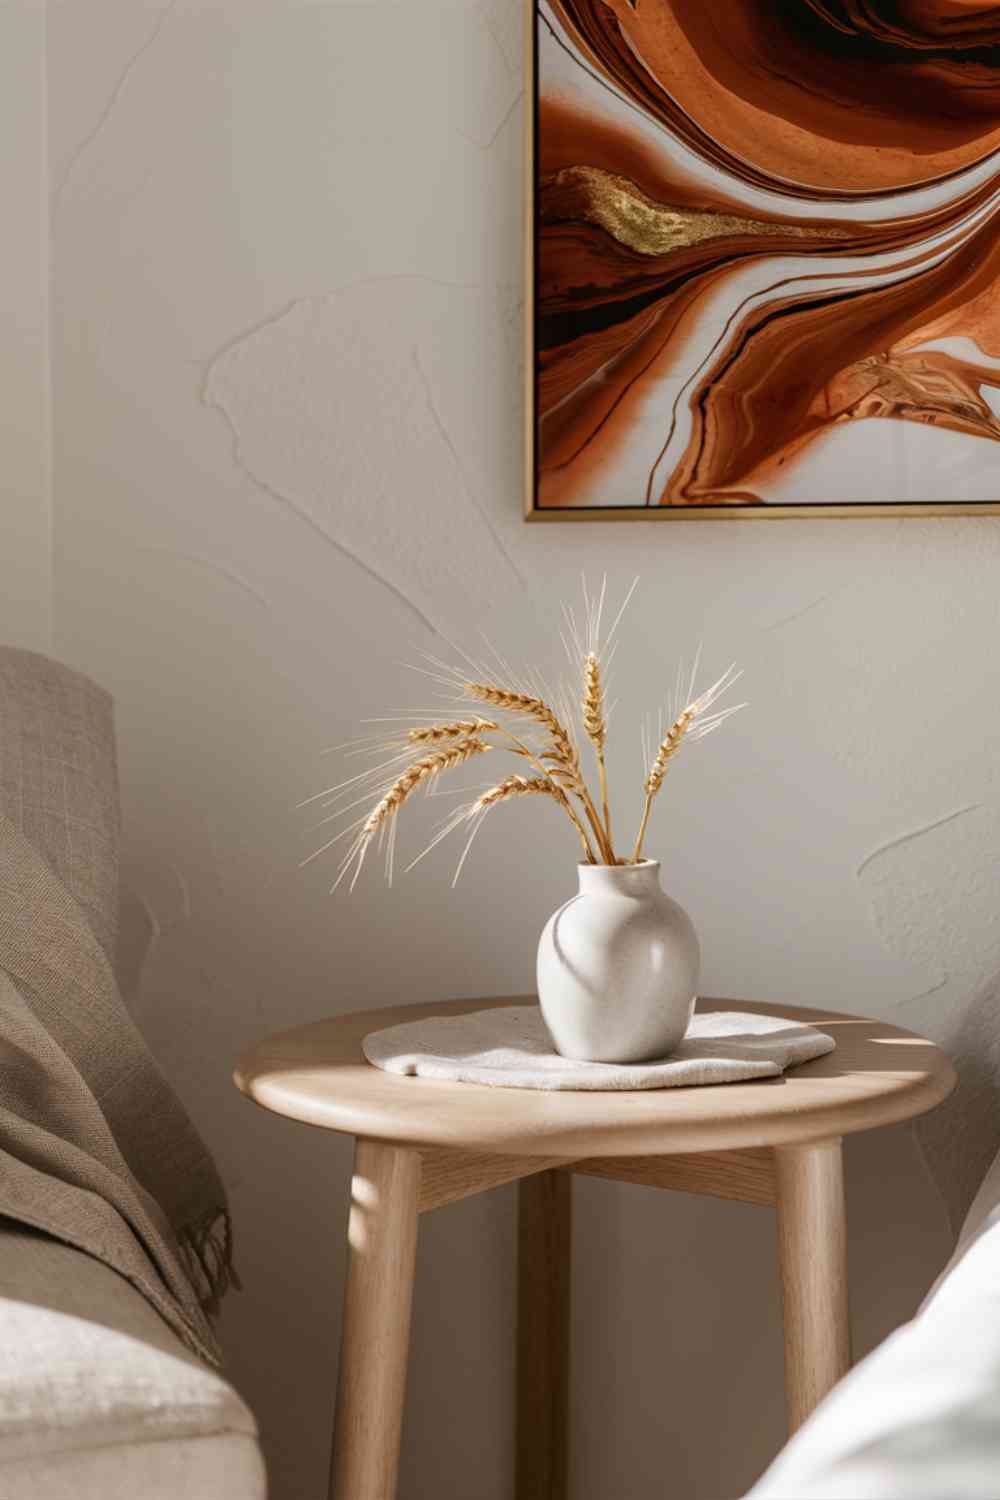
pixel 533 512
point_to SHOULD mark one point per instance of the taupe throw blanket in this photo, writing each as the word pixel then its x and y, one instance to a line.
pixel 95 1148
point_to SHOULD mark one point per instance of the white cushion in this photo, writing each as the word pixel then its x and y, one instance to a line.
pixel 919 1419
pixel 222 1467
pixel 99 1399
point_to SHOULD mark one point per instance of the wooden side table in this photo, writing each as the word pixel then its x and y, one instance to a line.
pixel 421 1144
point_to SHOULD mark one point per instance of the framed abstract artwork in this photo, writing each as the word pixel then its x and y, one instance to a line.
pixel 763 258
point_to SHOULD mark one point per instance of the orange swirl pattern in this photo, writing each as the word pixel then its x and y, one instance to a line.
pixel 768 265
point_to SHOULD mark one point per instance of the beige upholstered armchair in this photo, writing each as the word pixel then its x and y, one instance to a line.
pixel 100 1395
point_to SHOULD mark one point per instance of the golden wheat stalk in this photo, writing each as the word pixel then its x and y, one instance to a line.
pixel 690 723
pixel 561 762
pixel 596 727
pixel 669 747
pixel 563 756
pixel 592 706
pixel 434 734
pixel 525 786
pixel 420 772
pixel 513 786
pixel 474 812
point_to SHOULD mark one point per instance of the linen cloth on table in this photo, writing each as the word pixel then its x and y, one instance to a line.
pixel 510 1047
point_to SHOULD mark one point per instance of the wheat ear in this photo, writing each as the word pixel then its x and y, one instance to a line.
pixel 514 786
pixel 475 812
pixel 564 759
pixel 669 747
pixel 691 719
pixel 511 786
pixel 596 726
pixel 593 702
pixel 435 734
pixel 420 771
pixel 561 762
pixel 526 786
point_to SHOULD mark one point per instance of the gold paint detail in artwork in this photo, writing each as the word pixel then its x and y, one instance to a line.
pixel 630 216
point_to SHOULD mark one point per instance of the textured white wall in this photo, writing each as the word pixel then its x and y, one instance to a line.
pixel 287 438
pixel 25 595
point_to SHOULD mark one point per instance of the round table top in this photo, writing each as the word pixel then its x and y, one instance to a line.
pixel 878 1074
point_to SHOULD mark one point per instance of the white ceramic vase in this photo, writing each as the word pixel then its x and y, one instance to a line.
pixel 618 967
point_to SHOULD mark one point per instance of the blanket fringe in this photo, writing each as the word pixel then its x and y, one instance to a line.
pixel 207 1248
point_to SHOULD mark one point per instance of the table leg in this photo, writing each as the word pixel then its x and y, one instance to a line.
pixel 812 1236
pixel 543 1308
pixel 382 1236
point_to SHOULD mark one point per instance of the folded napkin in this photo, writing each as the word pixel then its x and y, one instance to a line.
pixel 510 1047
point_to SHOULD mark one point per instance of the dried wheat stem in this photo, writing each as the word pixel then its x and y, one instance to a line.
pixel 583 792
pixel 596 726
pixel 637 851
pixel 669 747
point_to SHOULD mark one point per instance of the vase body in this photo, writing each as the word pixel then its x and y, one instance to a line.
pixel 618 967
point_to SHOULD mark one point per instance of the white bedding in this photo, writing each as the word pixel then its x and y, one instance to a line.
pixel 919 1419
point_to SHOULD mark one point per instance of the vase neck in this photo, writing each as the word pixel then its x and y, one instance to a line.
pixel 636 881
